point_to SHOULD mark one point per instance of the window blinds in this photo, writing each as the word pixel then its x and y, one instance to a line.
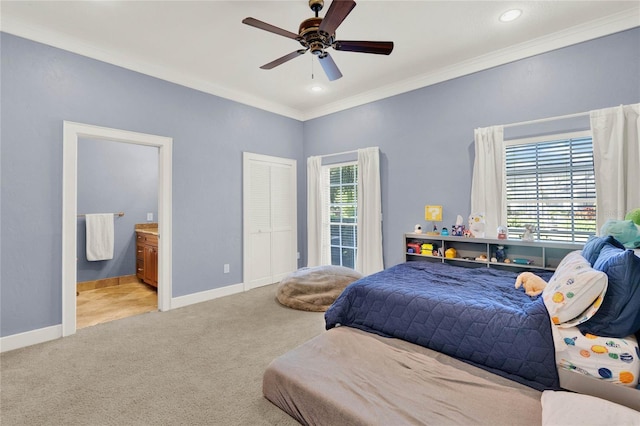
pixel 551 185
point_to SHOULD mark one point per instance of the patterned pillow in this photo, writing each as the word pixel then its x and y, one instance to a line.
pixel 575 291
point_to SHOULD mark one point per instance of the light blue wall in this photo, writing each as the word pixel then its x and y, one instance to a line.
pixel 41 87
pixel 114 177
pixel 426 136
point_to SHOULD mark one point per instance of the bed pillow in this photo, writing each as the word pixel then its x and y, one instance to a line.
pixel 619 315
pixel 574 291
pixel 592 247
pixel 567 408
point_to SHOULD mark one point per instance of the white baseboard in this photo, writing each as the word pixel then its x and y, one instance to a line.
pixel 41 335
pixel 203 296
pixel 28 338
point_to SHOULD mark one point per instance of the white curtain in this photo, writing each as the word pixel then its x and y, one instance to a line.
pixel 369 233
pixel 616 156
pixel 318 250
pixel 487 186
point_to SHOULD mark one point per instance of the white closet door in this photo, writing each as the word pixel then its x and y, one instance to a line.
pixel 270 219
pixel 259 243
pixel 283 221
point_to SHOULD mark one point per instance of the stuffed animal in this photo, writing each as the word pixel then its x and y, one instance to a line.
pixel 476 225
pixel 625 231
pixel 533 285
pixel 529 231
pixel 634 216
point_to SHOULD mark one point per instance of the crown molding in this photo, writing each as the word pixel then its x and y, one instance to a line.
pixel 597 28
pixel 73 45
pixel 570 36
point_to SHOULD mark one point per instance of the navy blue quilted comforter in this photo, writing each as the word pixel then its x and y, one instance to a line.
pixel 473 314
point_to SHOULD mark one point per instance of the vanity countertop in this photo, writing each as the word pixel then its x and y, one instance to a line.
pixel 147 228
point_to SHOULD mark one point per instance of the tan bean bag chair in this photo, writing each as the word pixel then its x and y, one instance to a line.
pixel 315 289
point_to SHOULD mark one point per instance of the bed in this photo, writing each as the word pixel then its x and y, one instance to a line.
pixel 346 376
pixel 476 318
pixel 471 314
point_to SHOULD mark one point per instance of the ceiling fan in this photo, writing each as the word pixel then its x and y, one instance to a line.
pixel 318 34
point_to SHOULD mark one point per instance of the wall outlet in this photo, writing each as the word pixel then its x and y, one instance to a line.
pixel 149 217
pixel 226 268
pixel 298 256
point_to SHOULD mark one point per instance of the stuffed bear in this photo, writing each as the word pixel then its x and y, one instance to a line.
pixel 476 225
pixel 533 285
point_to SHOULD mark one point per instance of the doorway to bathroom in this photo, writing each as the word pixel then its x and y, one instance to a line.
pixel 118 181
pixel 73 135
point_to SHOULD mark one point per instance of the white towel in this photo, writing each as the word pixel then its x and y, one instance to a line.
pixel 99 236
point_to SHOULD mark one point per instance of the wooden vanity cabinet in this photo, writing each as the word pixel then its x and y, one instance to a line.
pixel 147 258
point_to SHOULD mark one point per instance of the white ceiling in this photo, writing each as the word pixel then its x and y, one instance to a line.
pixel 204 45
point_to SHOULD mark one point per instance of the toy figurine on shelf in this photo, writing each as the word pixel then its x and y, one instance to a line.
pixel 417 229
pixel 529 231
pixel 444 232
pixel 500 256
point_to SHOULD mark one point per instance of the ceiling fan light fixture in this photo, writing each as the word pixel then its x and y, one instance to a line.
pixel 316 35
pixel 510 15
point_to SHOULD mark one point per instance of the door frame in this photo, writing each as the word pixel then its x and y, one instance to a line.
pixel 72 132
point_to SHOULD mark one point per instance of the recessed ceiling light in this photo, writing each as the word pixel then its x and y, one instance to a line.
pixel 510 15
pixel 317 89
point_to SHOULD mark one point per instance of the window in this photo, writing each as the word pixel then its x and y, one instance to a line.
pixel 343 223
pixel 550 184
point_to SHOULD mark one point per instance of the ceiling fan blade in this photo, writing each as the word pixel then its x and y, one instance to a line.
pixel 376 47
pixel 338 10
pixel 329 66
pixel 283 59
pixel 268 27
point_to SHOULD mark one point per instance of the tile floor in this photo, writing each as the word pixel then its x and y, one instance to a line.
pixel 115 302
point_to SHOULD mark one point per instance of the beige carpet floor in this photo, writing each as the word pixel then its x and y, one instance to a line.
pixel 198 365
